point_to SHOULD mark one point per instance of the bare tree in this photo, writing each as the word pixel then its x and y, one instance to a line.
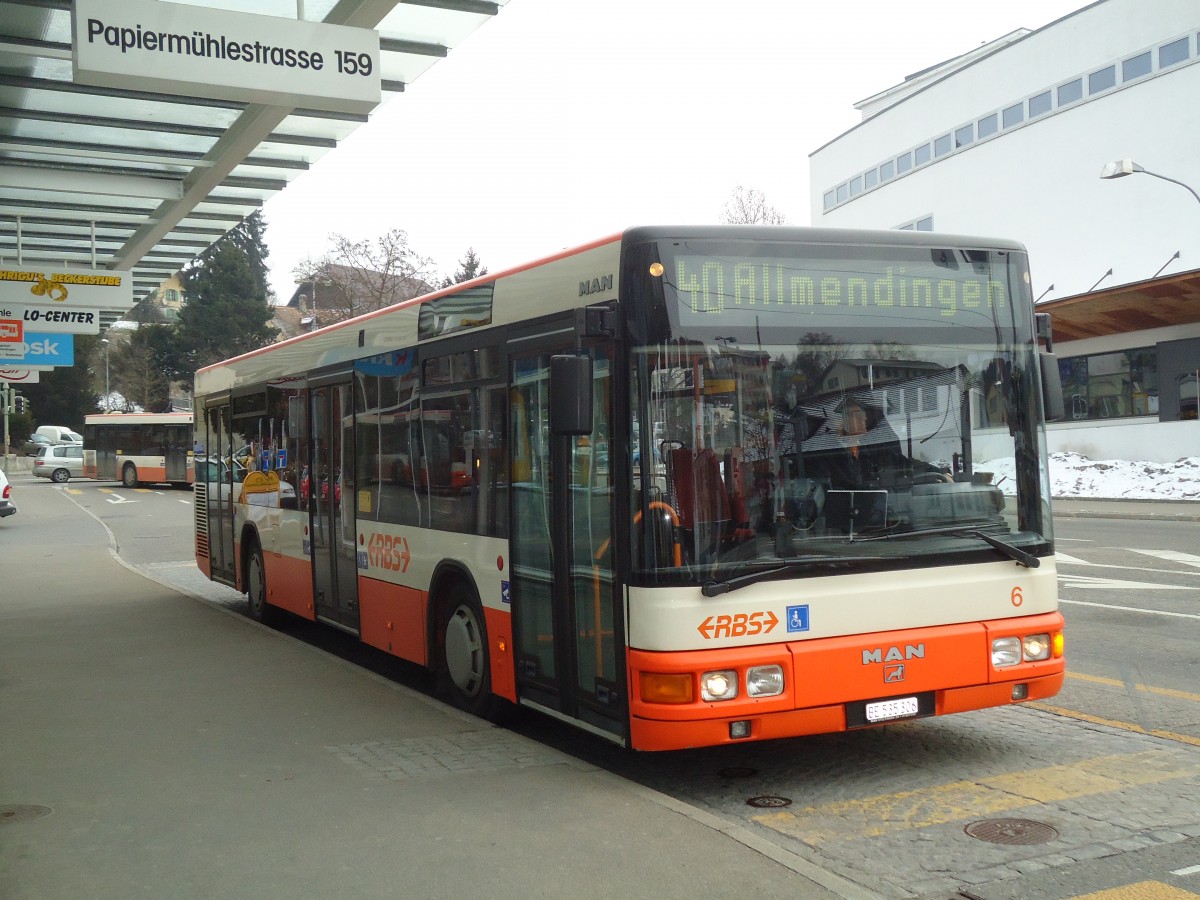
pixel 748 206
pixel 355 277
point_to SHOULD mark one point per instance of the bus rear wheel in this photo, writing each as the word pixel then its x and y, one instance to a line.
pixel 129 476
pixel 465 670
pixel 256 589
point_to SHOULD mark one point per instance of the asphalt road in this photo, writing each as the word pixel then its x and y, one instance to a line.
pixel 1097 789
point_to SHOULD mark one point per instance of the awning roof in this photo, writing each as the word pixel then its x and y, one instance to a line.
pixel 1157 303
pixel 126 179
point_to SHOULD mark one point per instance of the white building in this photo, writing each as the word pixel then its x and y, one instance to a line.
pixel 1010 140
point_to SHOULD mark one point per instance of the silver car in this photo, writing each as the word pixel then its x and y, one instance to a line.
pixel 59 463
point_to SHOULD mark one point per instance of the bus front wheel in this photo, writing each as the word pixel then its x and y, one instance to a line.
pixel 129 476
pixel 465 672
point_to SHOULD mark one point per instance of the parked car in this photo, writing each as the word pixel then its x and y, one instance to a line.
pixel 59 434
pixel 35 442
pixel 59 463
pixel 7 507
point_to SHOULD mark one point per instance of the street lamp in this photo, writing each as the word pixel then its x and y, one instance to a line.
pixel 104 341
pixel 1123 167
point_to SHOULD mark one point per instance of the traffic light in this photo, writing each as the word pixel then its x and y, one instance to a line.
pixel 21 404
pixel 4 399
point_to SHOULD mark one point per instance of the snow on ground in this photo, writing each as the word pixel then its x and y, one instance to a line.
pixel 1073 475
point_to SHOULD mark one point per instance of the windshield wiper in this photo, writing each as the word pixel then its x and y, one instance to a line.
pixel 715 588
pixel 1016 554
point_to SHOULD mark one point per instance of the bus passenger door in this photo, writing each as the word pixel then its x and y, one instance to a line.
pixel 566 620
pixel 214 483
pixel 328 488
pixel 175 453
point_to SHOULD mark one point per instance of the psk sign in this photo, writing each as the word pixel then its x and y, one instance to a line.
pixel 797 618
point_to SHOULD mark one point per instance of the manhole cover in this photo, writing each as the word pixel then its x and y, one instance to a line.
pixel 17 812
pixel 1011 831
pixel 737 772
pixel 768 802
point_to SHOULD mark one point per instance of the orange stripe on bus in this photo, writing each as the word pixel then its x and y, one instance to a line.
pixel 289 583
pixel 392 618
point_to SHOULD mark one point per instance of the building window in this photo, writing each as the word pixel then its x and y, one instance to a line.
pixel 830 199
pixel 903 163
pixel 870 179
pixel 964 135
pixel 856 186
pixel 1014 115
pixel 921 154
pixel 887 170
pixel 1110 385
pixel 941 146
pixel 1174 52
pixel 1070 92
pixel 988 125
pixel 1102 80
pixel 925 224
pixel 843 193
pixel 1136 67
pixel 1039 104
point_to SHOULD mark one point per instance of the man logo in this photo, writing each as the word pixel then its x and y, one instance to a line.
pixel 596 285
pixel 893 654
pixel 893 673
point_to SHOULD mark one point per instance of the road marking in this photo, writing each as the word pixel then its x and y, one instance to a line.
pixel 1115 723
pixel 1149 689
pixel 1142 890
pixel 1137 609
pixel 1190 870
pixel 1076 561
pixel 1188 559
pixel 117 498
pixel 1112 584
pixel 965 800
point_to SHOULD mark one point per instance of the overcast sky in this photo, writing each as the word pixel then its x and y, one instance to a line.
pixel 562 121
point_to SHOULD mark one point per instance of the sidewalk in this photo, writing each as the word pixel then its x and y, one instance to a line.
pixel 156 746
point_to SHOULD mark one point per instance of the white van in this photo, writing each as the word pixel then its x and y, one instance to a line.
pixel 60 434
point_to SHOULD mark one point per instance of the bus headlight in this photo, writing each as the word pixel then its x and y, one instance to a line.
pixel 722 685
pixel 764 681
pixel 1006 652
pixel 1035 647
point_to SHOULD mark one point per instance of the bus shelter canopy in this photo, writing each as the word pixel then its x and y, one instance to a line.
pixel 144 181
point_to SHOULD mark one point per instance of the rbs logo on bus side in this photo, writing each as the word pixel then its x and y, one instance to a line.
pixel 387 552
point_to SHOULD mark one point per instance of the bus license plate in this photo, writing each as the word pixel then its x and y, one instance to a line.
pixel 884 710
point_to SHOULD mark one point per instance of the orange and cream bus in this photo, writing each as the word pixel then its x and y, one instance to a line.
pixel 679 486
pixel 138 448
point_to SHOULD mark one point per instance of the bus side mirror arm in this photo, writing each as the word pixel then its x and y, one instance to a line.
pixel 570 395
pixel 1052 395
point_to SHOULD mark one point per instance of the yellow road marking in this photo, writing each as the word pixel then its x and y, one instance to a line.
pixel 1141 890
pixel 1115 723
pixel 1146 688
pixel 965 800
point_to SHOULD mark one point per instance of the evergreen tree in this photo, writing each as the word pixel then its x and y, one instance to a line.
pixel 226 311
pixel 470 267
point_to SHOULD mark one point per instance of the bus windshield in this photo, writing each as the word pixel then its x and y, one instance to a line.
pixel 833 406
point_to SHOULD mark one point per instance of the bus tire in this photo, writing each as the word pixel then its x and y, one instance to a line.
pixel 464 670
pixel 129 475
pixel 256 588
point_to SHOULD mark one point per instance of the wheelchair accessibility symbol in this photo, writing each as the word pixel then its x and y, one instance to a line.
pixel 797 618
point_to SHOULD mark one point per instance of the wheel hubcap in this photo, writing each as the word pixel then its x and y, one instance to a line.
pixel 464 651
